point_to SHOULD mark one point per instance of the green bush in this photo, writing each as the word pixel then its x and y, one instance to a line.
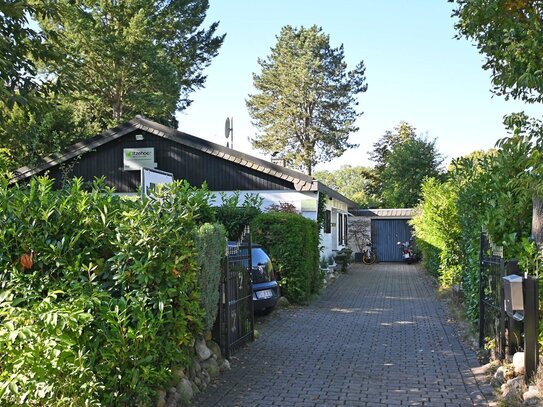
pixel 235 215
pixel 292 242
pixel 210 242
pixel 106 292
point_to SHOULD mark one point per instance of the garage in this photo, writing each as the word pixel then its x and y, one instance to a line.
pixel 386 227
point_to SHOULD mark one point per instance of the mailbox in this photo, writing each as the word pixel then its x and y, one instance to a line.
pixel 514 297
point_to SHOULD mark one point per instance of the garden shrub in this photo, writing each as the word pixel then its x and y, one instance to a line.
pixel 210 242
pixel 236 215
pixel 105 290
pixel 292 242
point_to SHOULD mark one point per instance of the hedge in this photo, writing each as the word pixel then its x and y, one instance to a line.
pixel 99 296
pixel 292 242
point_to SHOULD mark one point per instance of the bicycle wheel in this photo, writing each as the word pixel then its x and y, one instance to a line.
pixel 368 257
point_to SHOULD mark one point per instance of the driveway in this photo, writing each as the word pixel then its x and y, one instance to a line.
pixel 376 337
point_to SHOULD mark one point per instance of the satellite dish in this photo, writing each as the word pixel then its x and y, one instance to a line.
pixel 227 128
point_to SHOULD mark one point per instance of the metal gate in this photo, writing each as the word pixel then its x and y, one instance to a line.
pixel 386 233
pixel 491 311
pixel 235 320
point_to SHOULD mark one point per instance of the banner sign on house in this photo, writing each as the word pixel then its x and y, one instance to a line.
pixel 138 158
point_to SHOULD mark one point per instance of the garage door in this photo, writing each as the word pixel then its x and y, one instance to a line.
pixel 386 233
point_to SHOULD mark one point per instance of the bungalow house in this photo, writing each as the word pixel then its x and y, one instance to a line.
pixel 119 153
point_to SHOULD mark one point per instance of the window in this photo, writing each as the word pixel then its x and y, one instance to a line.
pixel 342 229
pixel 327 221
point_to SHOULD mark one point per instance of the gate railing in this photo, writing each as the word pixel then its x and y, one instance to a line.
pixel 491 310
pixel 510 331
pixel 235 320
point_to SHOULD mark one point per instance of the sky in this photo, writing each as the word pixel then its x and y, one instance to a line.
pixel 416 72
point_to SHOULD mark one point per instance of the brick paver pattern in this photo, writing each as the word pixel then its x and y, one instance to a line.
pixel 378 336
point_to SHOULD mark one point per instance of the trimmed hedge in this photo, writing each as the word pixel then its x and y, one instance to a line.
pixel 99 296
pixel 210 242
pixel 292 242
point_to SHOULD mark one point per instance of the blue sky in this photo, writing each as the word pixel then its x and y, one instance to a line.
pixel 416 72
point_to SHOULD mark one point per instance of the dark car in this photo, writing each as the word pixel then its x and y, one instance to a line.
pixel 265 288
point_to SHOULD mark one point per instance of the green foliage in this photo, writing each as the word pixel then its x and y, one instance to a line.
pixel 110 301
pixel 402 161
pixel 304 105
pixel 344 258
pixel 132 57
pixel 235 216
pixel 492 191
pixel 356 183
pixel 510 35
pixel 292 242
pixel 210 242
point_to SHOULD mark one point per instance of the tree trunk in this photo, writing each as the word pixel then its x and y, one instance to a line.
pixel 537 220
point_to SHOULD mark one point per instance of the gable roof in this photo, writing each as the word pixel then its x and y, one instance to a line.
pixel 301 182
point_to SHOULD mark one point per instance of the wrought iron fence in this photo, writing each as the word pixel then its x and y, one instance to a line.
pixel 235 320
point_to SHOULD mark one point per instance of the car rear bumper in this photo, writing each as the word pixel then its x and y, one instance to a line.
pixel 259 303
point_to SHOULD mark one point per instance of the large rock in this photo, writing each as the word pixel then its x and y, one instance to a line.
pixel 215 349
pixel 512 390
pixel 184 390
pixel 225 365
pixel 202 350
pixel 532 397
pixel 283 302
pixel 518 363
pixel 211 366
pixel 160 398
pixel 499 377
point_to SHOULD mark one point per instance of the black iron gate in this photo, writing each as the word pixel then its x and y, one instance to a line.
pixel 491 311
pixel 235 320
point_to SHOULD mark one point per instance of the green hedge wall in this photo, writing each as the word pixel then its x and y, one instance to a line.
pixel 99 296
pixel 292 242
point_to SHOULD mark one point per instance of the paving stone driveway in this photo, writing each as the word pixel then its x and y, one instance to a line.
pixel 377 337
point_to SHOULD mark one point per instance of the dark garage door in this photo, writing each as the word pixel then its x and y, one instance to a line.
pixel 386 233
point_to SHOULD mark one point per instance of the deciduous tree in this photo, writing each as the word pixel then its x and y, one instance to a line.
pixel 356 183
pixel 510 35
pixel 304 107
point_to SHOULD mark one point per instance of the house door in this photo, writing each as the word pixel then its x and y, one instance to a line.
pixel 386 233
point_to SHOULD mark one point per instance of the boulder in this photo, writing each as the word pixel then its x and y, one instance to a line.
pixel 518 362
pixel 512 390
pixel 212 367
pixel 184 390
pixel 202 350
pixel 283 302
pixel 532 397
pixel 499 377
pixel 225 365
pixel 215 349
pixel 160 398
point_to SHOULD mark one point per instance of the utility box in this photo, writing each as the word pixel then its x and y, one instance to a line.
pixel 514 296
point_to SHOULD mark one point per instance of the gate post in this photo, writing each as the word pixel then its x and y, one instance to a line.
pixel 481 296
pixel 531 322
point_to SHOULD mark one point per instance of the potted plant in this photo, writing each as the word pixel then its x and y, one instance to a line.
pixel 343 258
pixel 358 231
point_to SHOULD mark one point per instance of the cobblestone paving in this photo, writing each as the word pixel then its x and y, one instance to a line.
pixel 377 337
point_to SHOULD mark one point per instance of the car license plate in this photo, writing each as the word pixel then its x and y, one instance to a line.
pixel 264 294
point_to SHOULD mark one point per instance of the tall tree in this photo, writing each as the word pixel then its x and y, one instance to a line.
pixel 22 49
pixel 510 35
pixel 356 183
pixel 131 57
pixel 403 161
pixel 305 103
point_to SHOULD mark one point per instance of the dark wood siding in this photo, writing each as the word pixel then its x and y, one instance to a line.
pixel 184 162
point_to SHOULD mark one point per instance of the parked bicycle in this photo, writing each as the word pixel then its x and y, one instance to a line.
pixel 368 255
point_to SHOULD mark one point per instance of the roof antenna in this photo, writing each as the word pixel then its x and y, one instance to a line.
pixel 229 131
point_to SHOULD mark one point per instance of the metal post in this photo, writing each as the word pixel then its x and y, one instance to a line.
pixel 501 298
pixel 531 322
pixel 481 296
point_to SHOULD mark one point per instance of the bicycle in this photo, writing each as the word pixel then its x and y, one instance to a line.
pixel 368 255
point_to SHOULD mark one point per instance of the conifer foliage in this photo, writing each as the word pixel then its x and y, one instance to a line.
pixel 304 105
